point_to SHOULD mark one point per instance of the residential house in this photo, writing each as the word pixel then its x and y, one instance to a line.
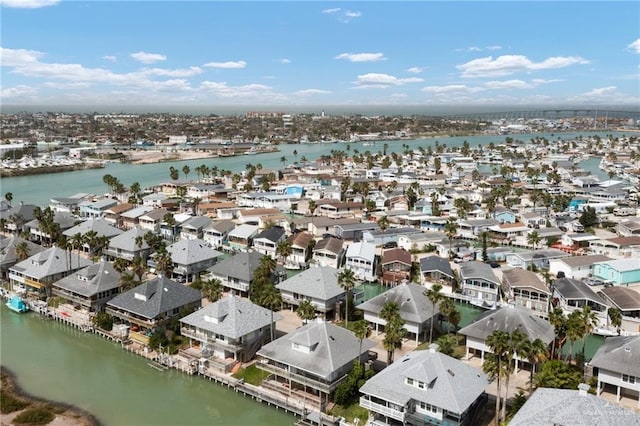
pixel 241 237
pixel 190 258
pixel 504 215
pixel 266 242
pixel 301 243
pixel 508 319
pixel 17 216
pixel 533 220
pixel 328 252
pixel 391 235
pixel 425 387
pixel 312 361
pixel 319 225
pixel 508 233
pixel 534 258
pixel 472 228
pixel 236 272
pixel 230 329
pixel 339 209
pixel 420 240
pixel 396 266
pixel 151 305
pixel 576 267
pixel 413 306
pixel 618 272
pixel 89 288
pixel 216 233
pixel 262 217
pixel 479 284
pixel 100 227
pixel 68 204
pixel 550 406
pixel 618 247
pixel 524 288
pixel 96 209
pixel 193 228
pixel 129 245
pixel 618 365
pixel 353 231
pixel 130 218
pixel 629 228
pixel 438 270
pixel 361 259
pixel 42 269
pixel 627 300
pixel 152 220
pixel 319 285
pixel 574 295
pixel 9 256
pixel 112 214
pixel 41 235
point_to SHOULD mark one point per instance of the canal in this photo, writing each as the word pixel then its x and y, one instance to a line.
pixel 57 362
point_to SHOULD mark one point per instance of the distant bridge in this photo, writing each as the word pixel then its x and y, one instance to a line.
pixel 550 114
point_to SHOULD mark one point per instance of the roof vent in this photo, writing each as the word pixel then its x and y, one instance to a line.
pixel 583 389
pixel 627 349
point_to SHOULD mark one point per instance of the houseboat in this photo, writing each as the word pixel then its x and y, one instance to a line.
pixel 16 304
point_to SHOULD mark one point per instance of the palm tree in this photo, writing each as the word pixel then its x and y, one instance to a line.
pixel 533 238
pixel 120 264
pixel 559 322
pixel 212 290
pixel 434 295
pixel 362 330
pixel 271 299
pixel 22 250
pixel 394 333
pixel 9 197
pixel 383 223
pixel 127 281
pixel 516 346
pixel 284 249
pixel 451 229
pixel 615 315
pixel 139 267
pixel 306 311
pixel 186 170
pixel 498 342
pixel 347 281
pixel 311 206
pixel 536 353
pixel 575 330
pixel 389 310
pixel 589 320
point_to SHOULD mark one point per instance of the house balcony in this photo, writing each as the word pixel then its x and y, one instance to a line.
pixel 120 254
pixel 383 409
pixel 301 379
pixel 145 323
pixel 210 341
pixel 72 297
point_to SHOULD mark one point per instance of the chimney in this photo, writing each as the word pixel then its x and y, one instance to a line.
pixel 583 389
pixel 434 347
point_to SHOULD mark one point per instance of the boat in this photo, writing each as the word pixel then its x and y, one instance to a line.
pixel 16 304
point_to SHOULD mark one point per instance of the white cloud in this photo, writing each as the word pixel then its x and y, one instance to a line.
pixel 110 58
pixel 381 81
pixel 18 91
pixel 508 84
pixel 362 57
pixel 333 10
pixel 148 58
pixel 605 95
pixel 308 92
pixel 479 49
pixel 226 65
pixel 495 47
pixel 184 72
pixel 285 61
pixel 635 46
pixel 350 14
pixel 18 57
pixel 451 88
pixel 416 70
pixel 509 64
pixel 253 92
pixel 28 4
pixel 67 86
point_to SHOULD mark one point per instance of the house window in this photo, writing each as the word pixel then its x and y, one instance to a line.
pixel 628 379
pixel 428 408
pixel 409 381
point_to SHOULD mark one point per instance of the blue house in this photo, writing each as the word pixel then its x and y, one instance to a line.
pixel 618 272
pixel 504 215
pixel 574 204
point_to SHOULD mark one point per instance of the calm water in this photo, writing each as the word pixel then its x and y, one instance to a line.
pixel 38 189
pixel 57 362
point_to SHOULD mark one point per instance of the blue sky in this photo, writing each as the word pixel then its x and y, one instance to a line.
pixel 320 53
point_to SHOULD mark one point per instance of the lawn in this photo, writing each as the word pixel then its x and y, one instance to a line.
pixel 252 375
pixel 350 412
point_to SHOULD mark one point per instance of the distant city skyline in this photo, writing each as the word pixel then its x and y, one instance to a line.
pixel 291 55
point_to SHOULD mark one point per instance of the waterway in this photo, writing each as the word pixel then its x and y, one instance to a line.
pixel 38 189
pixel 57 362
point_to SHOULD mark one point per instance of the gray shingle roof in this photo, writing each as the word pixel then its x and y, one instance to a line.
pixel 317 283
pixel 188 252
pixel 271 234
pixel 620 354
pixel 8 254
pixel 413 304
pixel 521 278
pixel 241 266
pixel 477 269
pixel 99 226
pixel 236 317
pixel 196 222
pixel 510 318
pixel 127 240
pixel 577 261
pixel 453 385
pixel 50 262
pixel 436 263
pixel 91 280
pixel 568 408
pixel 574 289
pixel 330 244
pixel 153 298
pixel 332 348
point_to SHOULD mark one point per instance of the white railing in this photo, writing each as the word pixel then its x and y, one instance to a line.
pixel 382 409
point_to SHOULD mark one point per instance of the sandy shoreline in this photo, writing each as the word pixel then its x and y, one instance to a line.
pixel 65 414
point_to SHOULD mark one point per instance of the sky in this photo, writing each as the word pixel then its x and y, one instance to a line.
pixel 289 53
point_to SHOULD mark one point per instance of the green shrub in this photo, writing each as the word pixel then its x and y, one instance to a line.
pixel 35 416
pixel 9 403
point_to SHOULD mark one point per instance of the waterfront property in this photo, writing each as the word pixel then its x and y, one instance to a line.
pixel 191 257
pixel 576 267
pixel 524 288
pixel 425 387
pixel 361 259
pixel 534 258
pixel 413 307
pixel 507 319
pixel 91 287
pixel 479 284
pixel 228 331
pixel 129 245
pixel 436 269
pixel 312 361
pixel 319 285
pixel 216 233
pixel 574 295
pixel 9 255
pixel 266 242
pixel 618 272
pixel 618 365
pixel 151 305
pixel 328 252
pixel 241 237
pixel 236 272
pixel 396 266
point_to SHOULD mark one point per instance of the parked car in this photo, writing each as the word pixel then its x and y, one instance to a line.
pixel 493 264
